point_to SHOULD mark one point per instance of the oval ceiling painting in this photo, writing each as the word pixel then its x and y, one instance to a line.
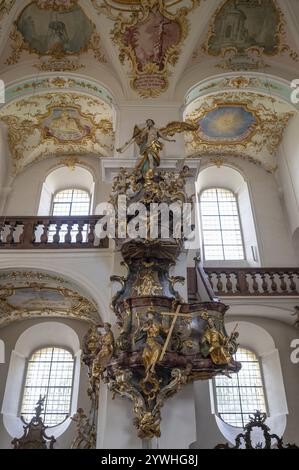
pixel 50 32
pixel 227 123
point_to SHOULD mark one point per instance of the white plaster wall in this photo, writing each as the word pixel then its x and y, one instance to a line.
pixel 272 228
pixel 288 174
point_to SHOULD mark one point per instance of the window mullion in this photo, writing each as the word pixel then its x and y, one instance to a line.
pixel 48 385
pixel 220 225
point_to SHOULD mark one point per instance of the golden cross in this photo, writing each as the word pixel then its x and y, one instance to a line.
pixel 175 316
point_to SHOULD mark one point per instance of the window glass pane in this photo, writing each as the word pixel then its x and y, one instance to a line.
pixel 214 252
pixel 80 208
pixel 243 394
pixel 209 208
pixel 220 225
pixel 64 196
pixel 50 375
pixel 60 208
pixel 233 252
pixel 211 222
pixel 212 238
pixel 231 238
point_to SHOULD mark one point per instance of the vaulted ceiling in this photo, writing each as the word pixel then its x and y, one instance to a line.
pixel 148 42
pixel 70 62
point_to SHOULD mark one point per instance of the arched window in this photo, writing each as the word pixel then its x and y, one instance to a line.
pixel 50 375
pixel 222 237
pixel 70 202
pixel 241 395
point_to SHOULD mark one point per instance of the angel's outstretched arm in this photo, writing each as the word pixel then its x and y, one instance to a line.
pixel 164 137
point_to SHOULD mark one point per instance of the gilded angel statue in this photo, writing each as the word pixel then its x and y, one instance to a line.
pixel 149 142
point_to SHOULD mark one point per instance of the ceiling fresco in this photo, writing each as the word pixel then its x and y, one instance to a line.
pixel 227 124
pixel 56 124
pixel 58 33
pixel 32 294
pixel 245 34
pixel 149 36
pixel 240 124
pixel 148 45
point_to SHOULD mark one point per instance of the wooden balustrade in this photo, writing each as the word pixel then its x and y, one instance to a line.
pixel 50 232
pixel 247 281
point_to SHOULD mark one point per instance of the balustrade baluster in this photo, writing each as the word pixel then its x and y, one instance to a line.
pixel 242 284
pixel 68 235
pixel 91 233
pixel 27 237
pixel 255 285
pixel 79 236
pixel 273 282
pixel 229 284
pixel 293 286
pixel 283 284
pixel 10 237
pixel 44 236
pixel 219 283
pixel 264 283
pixel 56 237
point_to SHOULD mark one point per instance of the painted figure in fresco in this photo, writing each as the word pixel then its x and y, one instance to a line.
pixel 58 37
pixel 65 126
pixel 65 123
pixel 218 344
pixel 149 142
pixel 153 347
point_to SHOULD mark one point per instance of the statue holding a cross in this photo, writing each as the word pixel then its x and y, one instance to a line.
pixel 153 351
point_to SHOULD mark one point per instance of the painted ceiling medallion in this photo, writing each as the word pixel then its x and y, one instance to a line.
pixel 29 294
pixel 238 124
pixel 58 31
pixel 66 124
pixel 240 27
pixel 149 36
pixel 227 124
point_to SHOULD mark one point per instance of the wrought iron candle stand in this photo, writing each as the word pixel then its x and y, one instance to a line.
pixel 35 436
pixel 163 342
pixel 268 441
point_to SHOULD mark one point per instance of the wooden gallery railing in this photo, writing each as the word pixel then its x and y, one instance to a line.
pixel 247 281
pixel 50 232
